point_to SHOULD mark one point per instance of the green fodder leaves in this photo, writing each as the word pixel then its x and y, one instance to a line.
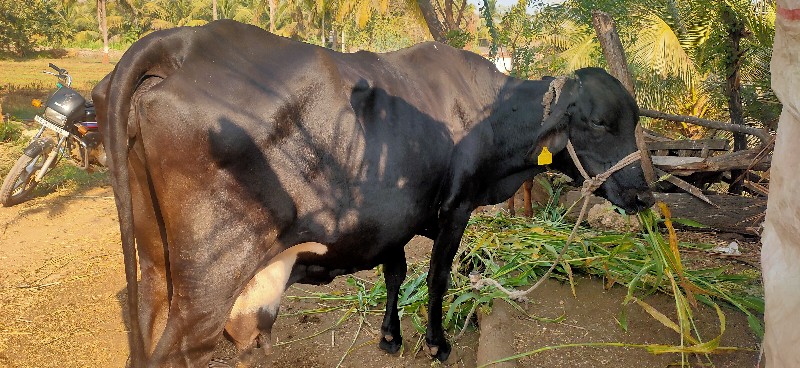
pixel 516 251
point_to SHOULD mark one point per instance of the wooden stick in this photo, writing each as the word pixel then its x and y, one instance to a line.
pixel 758 133
pixel 689 188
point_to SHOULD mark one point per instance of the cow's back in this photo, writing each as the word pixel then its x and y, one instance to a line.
pixel 322 143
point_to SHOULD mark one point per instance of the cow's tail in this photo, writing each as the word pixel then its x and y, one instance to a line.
pixel 158 54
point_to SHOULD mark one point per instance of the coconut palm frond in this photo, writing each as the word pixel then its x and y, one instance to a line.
pixel 158 24
pixel 85 22
pixel 582 53
pixel 288 30
pixel 382 6
pixel 244 14
pixel 345 8
pixel 155 10
pixel 567 36
pixel 757 65
pixel 86 36
pixel 660 49
pixel 114 21
pixel 363 12
pixel 196 22
pixel 761 21
pixel 360 10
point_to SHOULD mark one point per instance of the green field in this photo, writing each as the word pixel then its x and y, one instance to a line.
pixel 21 81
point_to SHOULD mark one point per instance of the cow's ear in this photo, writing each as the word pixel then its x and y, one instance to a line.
pixel 554 132
pixel 555 141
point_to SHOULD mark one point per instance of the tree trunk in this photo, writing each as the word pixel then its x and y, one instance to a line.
pixel 449 20
pixel 103 25
pixel 258 8
pixel 273 9
pixel 733 62
pixel 434 25
pixel 324 44
pixel 618 65
pixel 612 49
pixel 214 9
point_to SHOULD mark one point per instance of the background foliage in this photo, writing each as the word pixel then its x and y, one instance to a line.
pixel 679 51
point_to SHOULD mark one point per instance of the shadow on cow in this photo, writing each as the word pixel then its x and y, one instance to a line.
pixel 243 162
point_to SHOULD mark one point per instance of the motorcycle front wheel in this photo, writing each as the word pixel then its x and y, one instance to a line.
pixel 21 180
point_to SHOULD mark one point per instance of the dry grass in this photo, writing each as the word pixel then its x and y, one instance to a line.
pixel 86 69
pixel 23 80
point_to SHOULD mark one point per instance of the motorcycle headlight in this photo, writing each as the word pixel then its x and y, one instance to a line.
pixel 54 116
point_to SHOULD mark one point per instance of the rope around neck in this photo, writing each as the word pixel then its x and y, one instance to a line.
pixel 590 184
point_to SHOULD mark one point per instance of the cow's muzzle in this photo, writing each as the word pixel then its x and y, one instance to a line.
pixel 635 200
pixel 631 200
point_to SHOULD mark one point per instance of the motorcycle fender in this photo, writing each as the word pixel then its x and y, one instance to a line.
pixel 38 146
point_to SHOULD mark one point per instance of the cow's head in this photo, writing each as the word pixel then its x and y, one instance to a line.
pixel 598 115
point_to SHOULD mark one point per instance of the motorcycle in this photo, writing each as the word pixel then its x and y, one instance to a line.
pixel 69 130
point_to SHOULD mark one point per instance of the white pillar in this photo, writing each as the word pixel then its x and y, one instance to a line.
pixel 780 254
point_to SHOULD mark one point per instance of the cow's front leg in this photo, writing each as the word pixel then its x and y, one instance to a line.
pixel 394 272
pixel 452 228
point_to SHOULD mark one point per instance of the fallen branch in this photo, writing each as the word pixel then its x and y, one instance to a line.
pixel 749 159
pixel 758 133
pixel 689 188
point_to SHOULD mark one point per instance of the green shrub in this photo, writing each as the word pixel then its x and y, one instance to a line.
pixel 10 131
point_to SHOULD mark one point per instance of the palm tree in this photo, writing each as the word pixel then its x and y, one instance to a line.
pixel 103 25
pixel 360 10
pixel 165 14
pixel 674 49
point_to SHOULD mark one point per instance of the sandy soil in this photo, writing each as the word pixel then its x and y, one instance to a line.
pixel 62 291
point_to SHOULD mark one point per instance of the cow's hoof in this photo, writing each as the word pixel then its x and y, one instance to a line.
pixel 390 344
pixel 440 352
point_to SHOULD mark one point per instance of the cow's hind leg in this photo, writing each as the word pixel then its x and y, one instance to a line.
pixel 193 328
pixel 205 286
pixel 394 273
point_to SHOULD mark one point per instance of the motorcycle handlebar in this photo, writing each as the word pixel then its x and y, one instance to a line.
pixel 62 74
pixel 59 70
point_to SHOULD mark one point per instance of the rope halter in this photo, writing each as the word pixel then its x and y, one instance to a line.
pixel 590 184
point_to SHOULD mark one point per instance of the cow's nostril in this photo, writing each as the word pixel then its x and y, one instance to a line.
pixel 645 199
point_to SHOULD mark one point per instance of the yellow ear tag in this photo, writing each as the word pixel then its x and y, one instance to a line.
pixel 545 158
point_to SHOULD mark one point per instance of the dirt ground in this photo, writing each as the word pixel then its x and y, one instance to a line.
pixel 62 291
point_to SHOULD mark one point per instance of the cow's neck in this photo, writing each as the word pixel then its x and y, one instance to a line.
pixel 494 158
pixel 516 125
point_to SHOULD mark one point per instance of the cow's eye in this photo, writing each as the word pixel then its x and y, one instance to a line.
pixel 596 123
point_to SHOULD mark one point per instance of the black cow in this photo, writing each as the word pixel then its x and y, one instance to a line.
pixel 243 162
